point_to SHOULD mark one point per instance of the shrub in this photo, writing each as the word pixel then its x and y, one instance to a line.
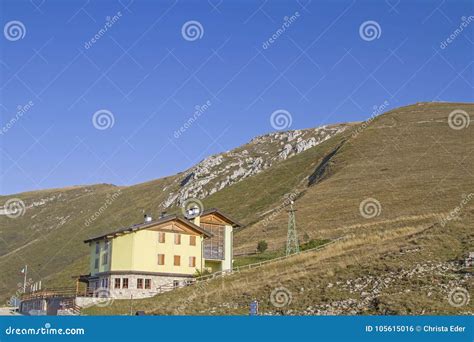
pixel 262 246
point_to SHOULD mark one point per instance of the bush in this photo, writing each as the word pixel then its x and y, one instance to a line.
pixel 262 246
pixel 313 244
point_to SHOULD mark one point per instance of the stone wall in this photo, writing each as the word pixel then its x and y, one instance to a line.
pixel 158 284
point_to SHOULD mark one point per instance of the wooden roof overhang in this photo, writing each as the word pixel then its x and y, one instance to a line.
pixel 173 219
pixel 209 213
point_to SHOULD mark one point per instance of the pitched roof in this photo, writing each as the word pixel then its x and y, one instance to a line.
pixel 146 225
pixel 223 215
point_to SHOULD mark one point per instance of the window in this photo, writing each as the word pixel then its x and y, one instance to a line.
pixel 177 239
pixel 117 283
pixel 96 264
pixel 105 258
pixel 124 283
pixel 105 283
pixel 175 283
pixel 161 259
pixel 139 283
pixel 97 247
pixel 147 283
pixel 192 240
pixel 192 261
pixel 161 237
pixel 177 260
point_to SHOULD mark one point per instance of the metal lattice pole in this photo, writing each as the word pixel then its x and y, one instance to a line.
pixel 292 245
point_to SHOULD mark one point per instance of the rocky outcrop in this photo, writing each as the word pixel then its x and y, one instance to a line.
pixel 219 171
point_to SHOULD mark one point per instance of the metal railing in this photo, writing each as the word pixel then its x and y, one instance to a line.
pixel 50 293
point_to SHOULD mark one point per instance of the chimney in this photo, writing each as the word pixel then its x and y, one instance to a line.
pixel 147 218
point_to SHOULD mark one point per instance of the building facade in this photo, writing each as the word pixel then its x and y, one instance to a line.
pixel 157 256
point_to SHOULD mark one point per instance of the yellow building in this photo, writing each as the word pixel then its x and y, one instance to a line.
pixel 155 256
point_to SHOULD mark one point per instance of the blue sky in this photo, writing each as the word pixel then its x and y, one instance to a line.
pixel 149 77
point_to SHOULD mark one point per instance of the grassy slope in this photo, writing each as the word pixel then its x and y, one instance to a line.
pixel 409 159
pixel 416 167
pixel 55 252
pixel 53 247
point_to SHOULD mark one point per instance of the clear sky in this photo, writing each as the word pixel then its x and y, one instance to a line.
pixel 152 63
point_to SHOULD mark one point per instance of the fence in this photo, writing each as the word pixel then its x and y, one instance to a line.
pixel 250 266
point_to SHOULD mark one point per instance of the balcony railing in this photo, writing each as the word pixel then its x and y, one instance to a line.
pixel 213 252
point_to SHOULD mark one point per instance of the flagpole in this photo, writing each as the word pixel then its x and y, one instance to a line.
pixel 24 279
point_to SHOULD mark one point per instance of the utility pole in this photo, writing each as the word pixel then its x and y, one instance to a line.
pixel 24 271
pixel 292 245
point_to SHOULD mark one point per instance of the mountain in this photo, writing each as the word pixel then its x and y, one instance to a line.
pixel 395 194
pixel 47 235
